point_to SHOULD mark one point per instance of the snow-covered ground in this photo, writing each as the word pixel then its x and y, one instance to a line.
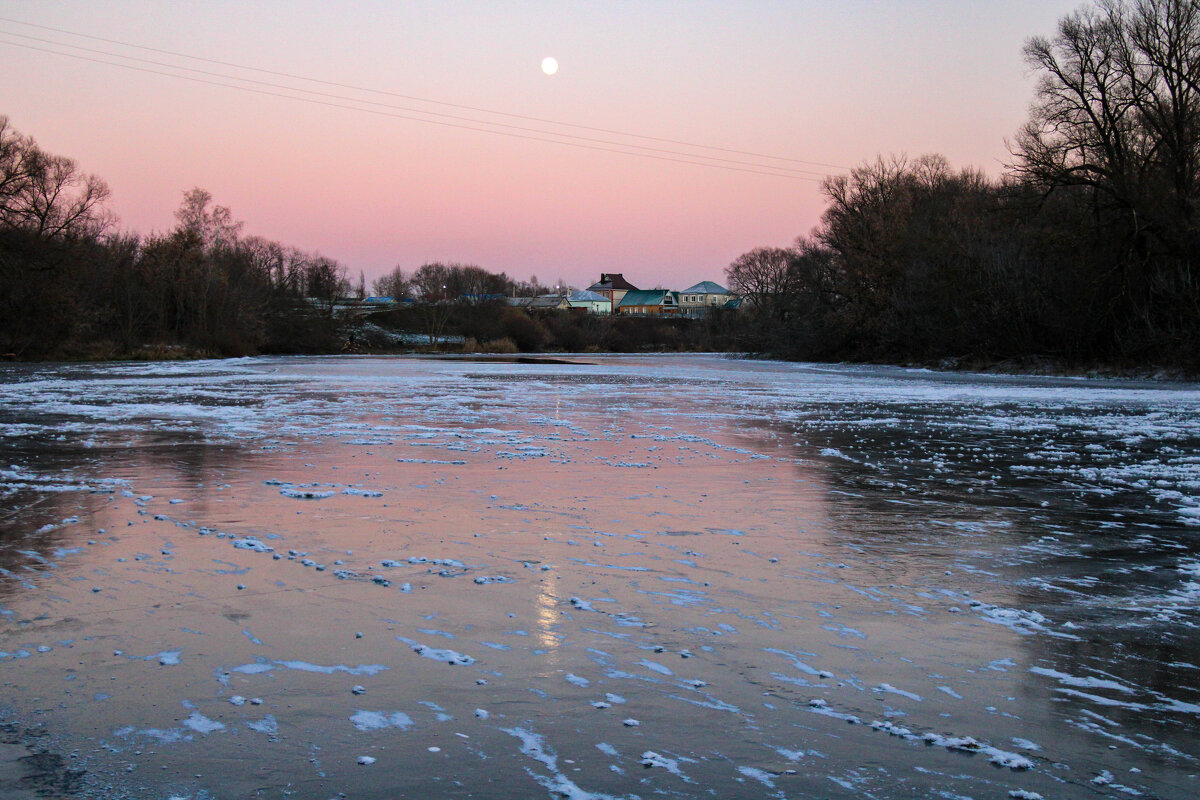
pixel 676 576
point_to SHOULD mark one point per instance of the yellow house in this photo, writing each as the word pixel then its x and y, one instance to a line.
pixel 698 300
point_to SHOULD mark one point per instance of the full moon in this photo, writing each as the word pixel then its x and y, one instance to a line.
pixel 549 65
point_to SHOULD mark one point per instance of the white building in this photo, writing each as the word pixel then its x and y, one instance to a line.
pixel 591 302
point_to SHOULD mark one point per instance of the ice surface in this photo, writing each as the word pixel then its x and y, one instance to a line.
pixel 794 580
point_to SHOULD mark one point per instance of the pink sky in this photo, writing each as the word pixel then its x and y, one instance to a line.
pixel 836 83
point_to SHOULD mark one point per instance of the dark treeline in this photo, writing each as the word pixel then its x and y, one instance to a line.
pixel 492 326
pixel 1087 249
pixel 69 287
pixel 73 287
pixel 466 282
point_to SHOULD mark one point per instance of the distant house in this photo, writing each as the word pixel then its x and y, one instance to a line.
pixel 613 286
pixel 544 302
pixel 698 300
pixel 591 302
pixel 549 302
pixel 650 303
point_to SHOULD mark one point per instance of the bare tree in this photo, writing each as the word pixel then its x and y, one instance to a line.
pixel 267 258
pixel 475 285
pixel 1118 111
pixel 530 288
pixel 61 201
pixel 1117 115
pixel 213 225
pixel 431 283
pixel 763 276
pixel 325 281
pixel 396 284
pixel 15 152
pixel 47 195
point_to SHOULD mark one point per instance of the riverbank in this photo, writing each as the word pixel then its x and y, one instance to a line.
pixel 1049 366
pixel 1039 365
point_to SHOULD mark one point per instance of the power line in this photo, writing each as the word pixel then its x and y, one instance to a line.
pixel 686 158
pixel 477 109
pixel 783 170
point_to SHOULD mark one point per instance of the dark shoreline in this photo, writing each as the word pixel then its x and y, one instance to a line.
pixel 1040 366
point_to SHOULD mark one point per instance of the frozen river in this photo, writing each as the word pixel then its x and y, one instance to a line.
pixel 678 576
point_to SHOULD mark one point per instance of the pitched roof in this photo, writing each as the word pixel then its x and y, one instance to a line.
pixel 587 297
pixel 706 287
pixel 612 280
pixel 645 297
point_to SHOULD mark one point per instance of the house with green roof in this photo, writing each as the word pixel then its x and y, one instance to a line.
pixel 650 303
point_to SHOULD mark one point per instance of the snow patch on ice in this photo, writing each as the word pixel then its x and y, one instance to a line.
pixel 168 658
pixel 762 776
pixel 533 746
pixel 202 724
pixel 968 744
pixel 887 687
pixel 652 759
pixel 268 725
pixel 378 720
pixel 1088 683
pixel 444 655
pixel 263 665
pixel 251 543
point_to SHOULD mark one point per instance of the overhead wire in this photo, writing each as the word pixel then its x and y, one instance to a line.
pixel 781 171
pixel 398 95
pixel 375 107
pixel 377 112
